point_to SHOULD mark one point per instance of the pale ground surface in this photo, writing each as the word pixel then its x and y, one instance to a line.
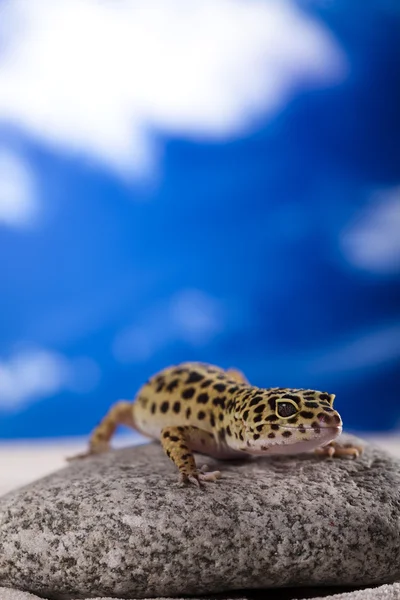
pixel 25 461
pixel 384 592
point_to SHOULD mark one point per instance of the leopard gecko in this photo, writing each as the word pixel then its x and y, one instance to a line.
pixel 206 409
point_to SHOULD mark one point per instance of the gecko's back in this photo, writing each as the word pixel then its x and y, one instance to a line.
pixel 188 394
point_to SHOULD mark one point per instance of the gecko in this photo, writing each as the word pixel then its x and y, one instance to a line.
pixel 197 407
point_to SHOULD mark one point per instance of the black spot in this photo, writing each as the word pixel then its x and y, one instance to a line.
pixel 179 371
pixel 306 414
pixel 245 415
pixel 228 431
pixel 325 396
pixel 220 387
pixel 219 401
pixel 183 446
pixel 194 377
pixel 221 433
pixel 257 418
pixel 169 453
pixel 212 420
pixel 206 383
pixel 180 429
pixel 176 407
pixel 255 400
pixel 201 415
pixel 221 416
pixel 233 390
pixel 271 418
pixel 287 433
pixel 241 436
pixel 260 408
pixel 271 435
pixel 328 409
pixel 302 429
pixel 275 427
pixel 316 427
pixel 172 385
pixel 231 405
pixel 188 412
pixel 272 402
pixel 164 407
pixel 260 427
pixel 203 398
pixel 166 434
pixel 174 438
pixel 311 404
pixel 188 393
pixel 256 436
pixel 160 386
pixel 186 456
pixel 153 408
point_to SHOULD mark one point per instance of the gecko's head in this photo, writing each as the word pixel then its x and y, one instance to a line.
pixel 283 421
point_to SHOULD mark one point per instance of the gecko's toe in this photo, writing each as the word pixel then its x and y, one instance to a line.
pixel 194 479
pixel 198 478
pixel 93 451
pixel 206 475
pixel 184 479
pixel 338 450
pixel 352 451
pixel 211 476
pixel 325 451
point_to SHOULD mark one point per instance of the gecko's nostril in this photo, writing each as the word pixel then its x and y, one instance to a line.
pixel 324 418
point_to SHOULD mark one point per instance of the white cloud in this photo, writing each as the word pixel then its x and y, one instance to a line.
pixel 365 351
pixel 18 202
pixel 33 374
pixel 191 316
pixel 96 78
pixel 372 242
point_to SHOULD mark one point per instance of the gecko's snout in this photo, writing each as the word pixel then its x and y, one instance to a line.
pixel 333 421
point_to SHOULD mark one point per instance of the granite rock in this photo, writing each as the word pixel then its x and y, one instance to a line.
pixel 119 525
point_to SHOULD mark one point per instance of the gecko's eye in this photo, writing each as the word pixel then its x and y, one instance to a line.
pixel 286 409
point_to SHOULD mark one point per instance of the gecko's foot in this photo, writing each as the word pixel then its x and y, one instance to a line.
pixel 93 451
pixel 336 449
pixel 200 476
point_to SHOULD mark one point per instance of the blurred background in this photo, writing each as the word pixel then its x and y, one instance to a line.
pixel 213 180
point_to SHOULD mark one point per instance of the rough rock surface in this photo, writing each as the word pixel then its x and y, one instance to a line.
pixel 119 525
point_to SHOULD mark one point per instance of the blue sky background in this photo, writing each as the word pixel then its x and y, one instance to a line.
pixel 218 184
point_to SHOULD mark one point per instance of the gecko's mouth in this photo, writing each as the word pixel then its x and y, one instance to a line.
pixel 315 428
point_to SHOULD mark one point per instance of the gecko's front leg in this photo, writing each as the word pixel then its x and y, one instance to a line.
pixel 338 449
pixel 178 443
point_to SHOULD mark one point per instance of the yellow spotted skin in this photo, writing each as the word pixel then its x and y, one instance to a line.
pixel 200 407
